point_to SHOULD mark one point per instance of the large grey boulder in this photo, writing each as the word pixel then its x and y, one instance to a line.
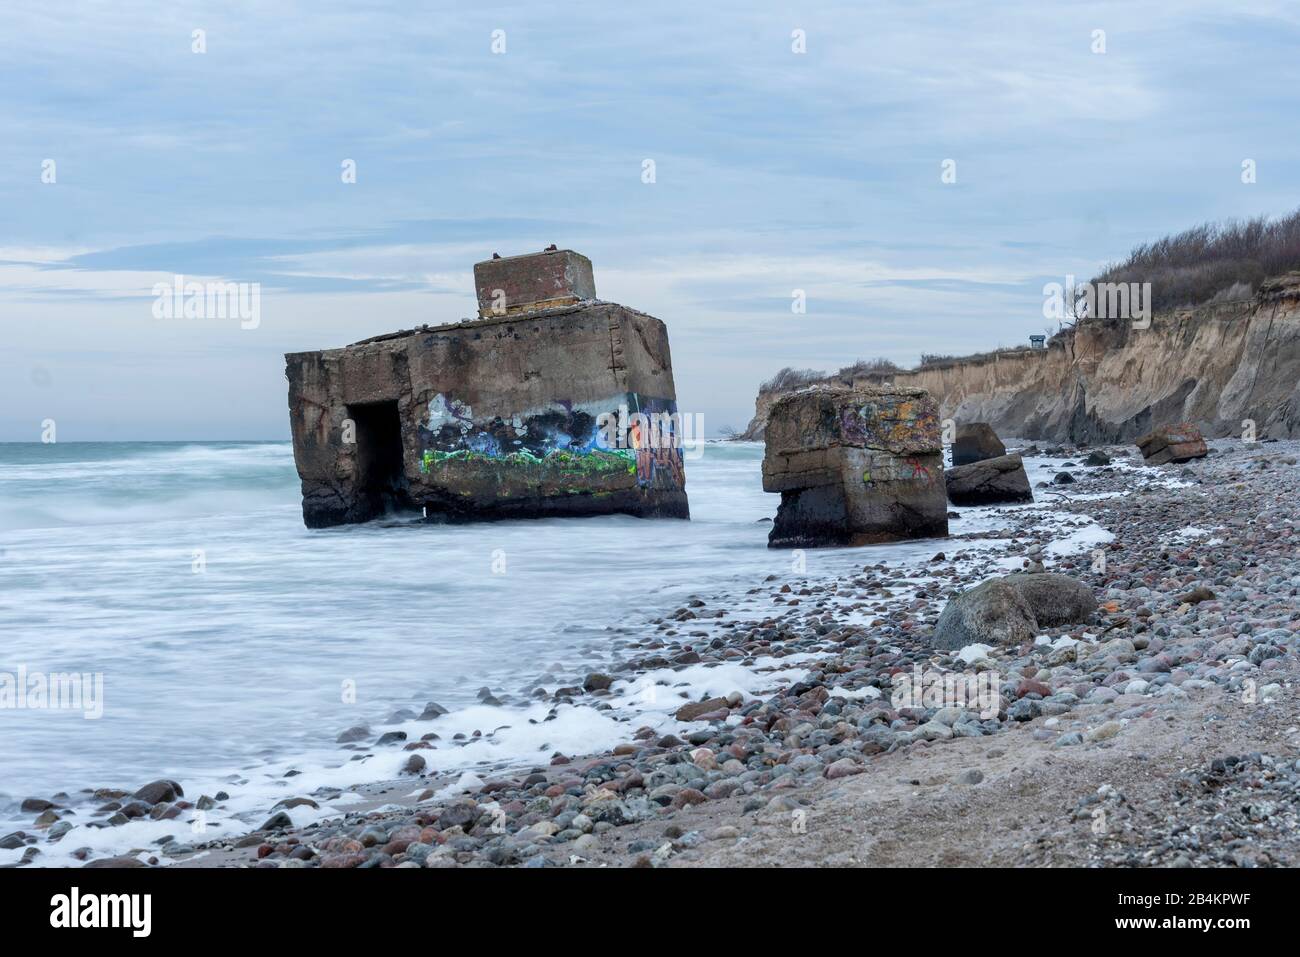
pixel 1012 609
pixel 975 442
pixel 990 482
pixel 992 613
pixel 1055 599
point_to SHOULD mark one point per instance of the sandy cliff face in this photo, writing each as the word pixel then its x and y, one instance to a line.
pixel 1215 366
pixel 762 409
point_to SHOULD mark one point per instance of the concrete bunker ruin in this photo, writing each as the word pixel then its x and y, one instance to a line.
pixel 855 467
pixel 550 402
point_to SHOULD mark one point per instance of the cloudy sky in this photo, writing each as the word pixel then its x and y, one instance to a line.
pixel 774 171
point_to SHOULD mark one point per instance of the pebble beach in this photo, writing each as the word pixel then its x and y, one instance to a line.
pixel 1159 731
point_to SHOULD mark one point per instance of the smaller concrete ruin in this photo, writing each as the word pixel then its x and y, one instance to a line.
pixel 975 442
pixel 552 402
pixel 1172 443
pixel 989 482
pixel 855 467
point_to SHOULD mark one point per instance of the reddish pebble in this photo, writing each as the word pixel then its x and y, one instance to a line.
pixel 688 796
pixel 1030 686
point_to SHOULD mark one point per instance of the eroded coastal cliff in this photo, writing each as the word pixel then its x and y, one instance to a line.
pixel 1216 365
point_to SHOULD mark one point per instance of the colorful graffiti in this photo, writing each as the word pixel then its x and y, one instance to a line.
pixel 652 437
pixel 884 467
pixel 919 471
pixel 594 462
pixel 897 423
pixel 561 440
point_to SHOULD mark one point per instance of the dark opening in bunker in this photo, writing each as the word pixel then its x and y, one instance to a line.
pixel 381 478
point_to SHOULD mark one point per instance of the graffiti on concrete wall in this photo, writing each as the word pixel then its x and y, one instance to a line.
pixel 628 434
pixel 887 467
pixel 650 430
pixel 897 423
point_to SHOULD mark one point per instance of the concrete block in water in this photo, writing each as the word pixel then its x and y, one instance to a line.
pixel 497 417
pixel 855 466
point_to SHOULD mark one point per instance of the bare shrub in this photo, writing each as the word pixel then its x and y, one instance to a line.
pixel 788 379
pixel 867 367
pixel 1234 293
pixel 1212 261
pixel 934 359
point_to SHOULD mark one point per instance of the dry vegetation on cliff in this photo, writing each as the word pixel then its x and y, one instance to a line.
pixel 1223 261
pixel 1242 360
pixel 789 379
